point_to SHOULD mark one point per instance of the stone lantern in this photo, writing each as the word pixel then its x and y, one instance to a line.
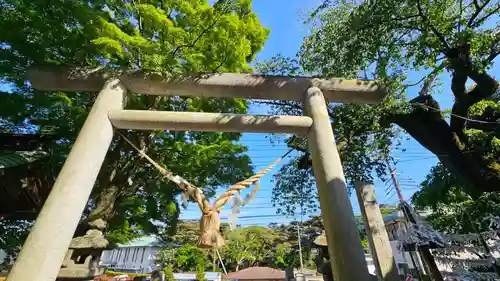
pixel 84 253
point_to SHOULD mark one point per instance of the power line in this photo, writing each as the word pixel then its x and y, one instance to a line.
pixel 416 159
pixel 458 116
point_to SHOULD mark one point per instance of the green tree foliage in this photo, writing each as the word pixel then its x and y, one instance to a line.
pixel 12 235
pixel 440 38
pixel 200 273
pixel 181 251
pixel 249 246
pixel 169 272
pixel 294 190
pixel 184 258
pixel 166 37
pixel 245 247
pixel 393 41
pixel 310 229
pixel 275 246
pixel 453 210
pixel 362 137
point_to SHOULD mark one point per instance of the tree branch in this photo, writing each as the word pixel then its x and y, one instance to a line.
pixel 363 27
pixel 479 9
pixel 427 125
pixel 432 27
pixel 476 12
pixel 485 17
pixel 220 64
pixel 192 44
pixel 281 103
pixel 210 26
pixel 428 83
pixel 463 68
pixel 495 50
pixel 425 78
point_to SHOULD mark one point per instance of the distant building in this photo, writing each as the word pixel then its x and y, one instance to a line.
pixel 370 264
pixel 137 256
pixel 210 276
pixel 256 273
pixel 406 262
pixel 2 255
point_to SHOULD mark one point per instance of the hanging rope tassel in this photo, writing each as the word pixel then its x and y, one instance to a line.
pixel 210 236
pixel 210 227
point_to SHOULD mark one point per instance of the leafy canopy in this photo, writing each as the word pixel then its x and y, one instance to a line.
pixel 168 37
pixel 453 210
pixel 394 41
pixel 411 46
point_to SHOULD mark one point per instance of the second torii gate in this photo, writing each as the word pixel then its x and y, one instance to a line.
pixel 45 248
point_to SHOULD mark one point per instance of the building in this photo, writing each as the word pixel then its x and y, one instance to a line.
pixel 137 256
pixel 3 255
pixel 210 276
pixel 370 264
pixel 406 262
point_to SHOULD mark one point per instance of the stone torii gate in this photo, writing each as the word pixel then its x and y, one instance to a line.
pixel 45 248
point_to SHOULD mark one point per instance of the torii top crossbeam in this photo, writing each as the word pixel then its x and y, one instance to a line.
pixel 41 258
pixel 222 85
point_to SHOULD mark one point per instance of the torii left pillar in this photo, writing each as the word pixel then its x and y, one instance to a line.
pixel 55 226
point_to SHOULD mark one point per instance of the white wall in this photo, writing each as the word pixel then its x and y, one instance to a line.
pixel 136 259
pixel 2 255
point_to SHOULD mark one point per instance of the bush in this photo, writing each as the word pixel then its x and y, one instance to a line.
pixel 200 273
pixel 169 272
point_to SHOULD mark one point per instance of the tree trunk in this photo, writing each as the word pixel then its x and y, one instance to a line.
pixel 431 130
pixel 105 204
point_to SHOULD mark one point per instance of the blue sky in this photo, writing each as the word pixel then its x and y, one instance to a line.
pixel 283 17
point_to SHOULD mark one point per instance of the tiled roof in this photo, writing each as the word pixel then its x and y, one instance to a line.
pixel 256 273
pixel 10 159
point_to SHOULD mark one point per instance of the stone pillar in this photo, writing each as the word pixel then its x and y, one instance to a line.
pixel 46 246
pixel 378 239
pixel 344 245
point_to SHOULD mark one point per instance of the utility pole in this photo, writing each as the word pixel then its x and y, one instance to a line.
pixel 395 182
pixel 425 254
pixel 300 247
pixel 299 224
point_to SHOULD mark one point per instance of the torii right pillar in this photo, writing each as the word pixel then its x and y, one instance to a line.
pixel 344 244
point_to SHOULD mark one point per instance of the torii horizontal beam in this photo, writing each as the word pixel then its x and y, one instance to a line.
pixel 209 122
pixel 41 258
pixel 222 85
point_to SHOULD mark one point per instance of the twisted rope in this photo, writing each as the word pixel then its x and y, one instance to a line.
pixel 195 193
pixel 237 187
pixel 210 236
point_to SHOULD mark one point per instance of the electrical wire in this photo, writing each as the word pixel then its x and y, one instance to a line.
pixel 458 116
